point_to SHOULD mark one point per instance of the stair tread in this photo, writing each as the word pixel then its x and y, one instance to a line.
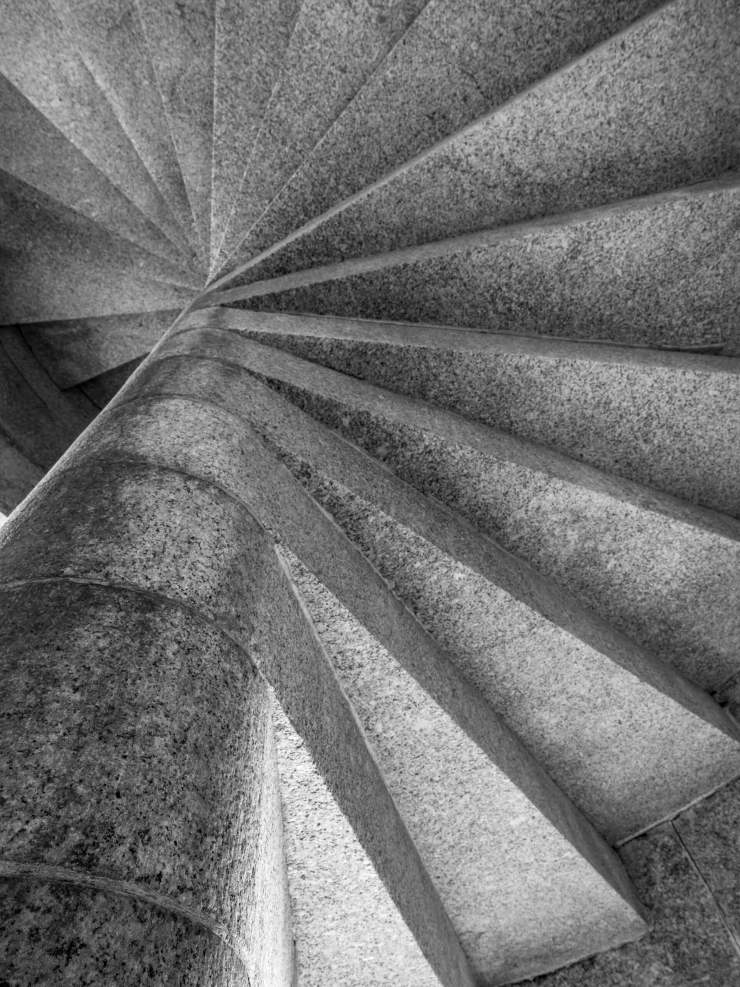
pixel 454 64
pixel 180 40
pixel 43 64
pixel 652 108
pixel 333 48
pixel 111 43
pixel 656 270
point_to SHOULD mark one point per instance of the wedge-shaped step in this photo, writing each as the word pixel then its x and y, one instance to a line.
pixel 546 882
pixel 651 109
pixel 111 43
pixel 43 62
pixel 59 265
pixel 335 45
pixel 180 41
pixel 345 926
pixel 661 570
pixel 657 270
pixel 251 41
pixel 34 151
pixel 118 508
pixel 668 420
pixel 510 631
pixel 551 877
pixel 76 350
pixel 455 62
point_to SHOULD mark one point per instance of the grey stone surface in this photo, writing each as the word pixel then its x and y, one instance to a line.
pixel 455 63
pixel 91 936
pixel 690 942
pixel 78 349
pixel 511 904
pixel 39 154
pixel 180 40
pixel 155 777
pixel 110 40
pixel 532 603
pixel 240 464
pixel 334 47
pixel 18 475
pixel 659 270
pixel 651 109
pixel 43 62
pixel 660 570
pixel 347 929
pixel 59 265
pixel 103 388
pixel 667 420
pixel 251 41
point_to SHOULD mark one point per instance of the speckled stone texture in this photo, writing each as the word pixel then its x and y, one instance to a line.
pixel 584 137
pixel 59 265
pixel 347 930
pixel 334 47
pixel 44 63
pixel 654 567
pixel 657 270
pixel 131 521
pixel 309 442
pixel 92 937
pixel 685 874
pixel 180 43
pixel 76 350
pixel 508 907
pixel 110 41
pixel 37 153
pixel 454 63
pixel 251 41
pixel 670 421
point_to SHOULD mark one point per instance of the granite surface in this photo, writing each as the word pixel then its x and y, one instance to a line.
pixel 455 63
pixel 251 42
pixel 110 40
pixel 347 929
pixel 180 42
pixel 34 151
pixel 334 47
pixel 44 63
pixel 18 475
pixel 652 109
pixel 508 905
pixel 76 350
pixel 539 596
pixel 656 271
pixel 59 265
pixel 685 874
pixel 91 936
pixel 656 568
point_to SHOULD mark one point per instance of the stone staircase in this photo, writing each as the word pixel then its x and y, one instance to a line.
pixel 440 301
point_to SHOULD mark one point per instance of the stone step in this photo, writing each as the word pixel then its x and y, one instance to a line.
pixel 251 42
pixel 600 724
pixel 648 110
pixel 57 264
pixel 77 350
pixel 454 63
pixel 37 421
pixel 663 571
pixel 664 419
pixel 110 40
pixel 656 270
pixel 509 802
pixel 34 151
pixel 44 64
pixel 180 40
pixel 334 47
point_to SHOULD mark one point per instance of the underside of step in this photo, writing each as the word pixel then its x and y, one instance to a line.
pixel 381 361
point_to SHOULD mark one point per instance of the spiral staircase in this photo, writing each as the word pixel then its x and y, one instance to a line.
pixel 467 274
